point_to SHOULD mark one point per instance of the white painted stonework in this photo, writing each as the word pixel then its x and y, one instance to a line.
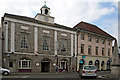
pixel 45 31
pixel 24 27
pixel 36 39
pixel 12 37
pixel 55 42
pixel 6 37
pixel 63 34
pixel 39 25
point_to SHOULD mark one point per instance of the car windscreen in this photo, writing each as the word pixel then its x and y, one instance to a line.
pixel 89 68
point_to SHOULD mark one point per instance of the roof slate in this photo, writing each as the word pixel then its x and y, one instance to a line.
pixel 92 28
pixel 28 19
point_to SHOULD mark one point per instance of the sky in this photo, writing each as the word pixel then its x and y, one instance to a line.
pixel 102 13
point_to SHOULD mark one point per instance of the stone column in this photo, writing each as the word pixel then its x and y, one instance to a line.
pixel 12 37
pixel 35 39
pixel 6 36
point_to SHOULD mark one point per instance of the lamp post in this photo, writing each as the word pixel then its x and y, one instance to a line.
pixel 56 59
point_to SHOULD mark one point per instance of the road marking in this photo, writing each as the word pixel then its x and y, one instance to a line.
pixel 101 76
pixel 16 76
pixel 24 76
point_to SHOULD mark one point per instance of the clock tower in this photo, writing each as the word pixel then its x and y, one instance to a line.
pixel 45 10
pixel 44 15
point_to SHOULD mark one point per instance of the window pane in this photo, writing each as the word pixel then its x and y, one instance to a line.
pixel 82 36
pixel 25 64
pixel 45 42
pixel 10 64
pixel 23 41
pixel 82 48
pixel 64 44
pixel 89 49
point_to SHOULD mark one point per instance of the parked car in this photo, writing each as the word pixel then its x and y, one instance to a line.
pixel 4 71
pixel 88 70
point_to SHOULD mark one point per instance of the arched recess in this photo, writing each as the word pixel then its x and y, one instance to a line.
pixel 102 65
pixel 97 64
pixel 46 65
pixel 108 65
pixel 90 62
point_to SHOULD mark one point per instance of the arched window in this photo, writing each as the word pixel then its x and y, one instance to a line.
pixel 90 62
pixel 46 11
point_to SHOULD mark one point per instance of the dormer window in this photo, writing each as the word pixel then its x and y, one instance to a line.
pixel 46 11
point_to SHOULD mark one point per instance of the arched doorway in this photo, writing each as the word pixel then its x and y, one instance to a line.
pixel 90 62
pixel 81 63
pixel 45 65
pixel 97 63
pixel 102 65
pixel 108 64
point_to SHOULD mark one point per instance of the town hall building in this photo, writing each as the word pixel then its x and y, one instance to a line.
pixel 37 44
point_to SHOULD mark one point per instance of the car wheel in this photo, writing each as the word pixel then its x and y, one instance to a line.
pixel 5 73
pixel 95 77
pixel 81 77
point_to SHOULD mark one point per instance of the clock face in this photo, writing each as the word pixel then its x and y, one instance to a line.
pixel 46 19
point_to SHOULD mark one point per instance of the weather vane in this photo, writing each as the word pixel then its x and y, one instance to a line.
pixel 45 2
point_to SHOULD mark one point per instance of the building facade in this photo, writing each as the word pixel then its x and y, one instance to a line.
pixel 94 46
pixel 37 44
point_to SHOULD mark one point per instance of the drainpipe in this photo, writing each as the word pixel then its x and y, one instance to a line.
pixel 0 47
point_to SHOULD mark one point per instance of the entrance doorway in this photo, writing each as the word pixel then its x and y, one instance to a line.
pixel 45 66
pixel 97 64
pixel 108 64
pixel 102 65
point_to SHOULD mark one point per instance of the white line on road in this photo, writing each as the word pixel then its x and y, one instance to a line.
pixel 24 76
pixel 101 76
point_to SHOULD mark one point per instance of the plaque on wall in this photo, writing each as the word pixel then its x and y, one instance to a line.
pixel 37 64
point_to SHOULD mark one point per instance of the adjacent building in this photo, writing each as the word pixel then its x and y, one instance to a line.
pixel 37 44
pixel 94 46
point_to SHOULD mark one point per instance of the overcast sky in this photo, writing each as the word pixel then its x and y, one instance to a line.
pixel 102 13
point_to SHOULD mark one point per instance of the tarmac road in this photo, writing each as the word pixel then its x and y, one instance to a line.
pixel 102 75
